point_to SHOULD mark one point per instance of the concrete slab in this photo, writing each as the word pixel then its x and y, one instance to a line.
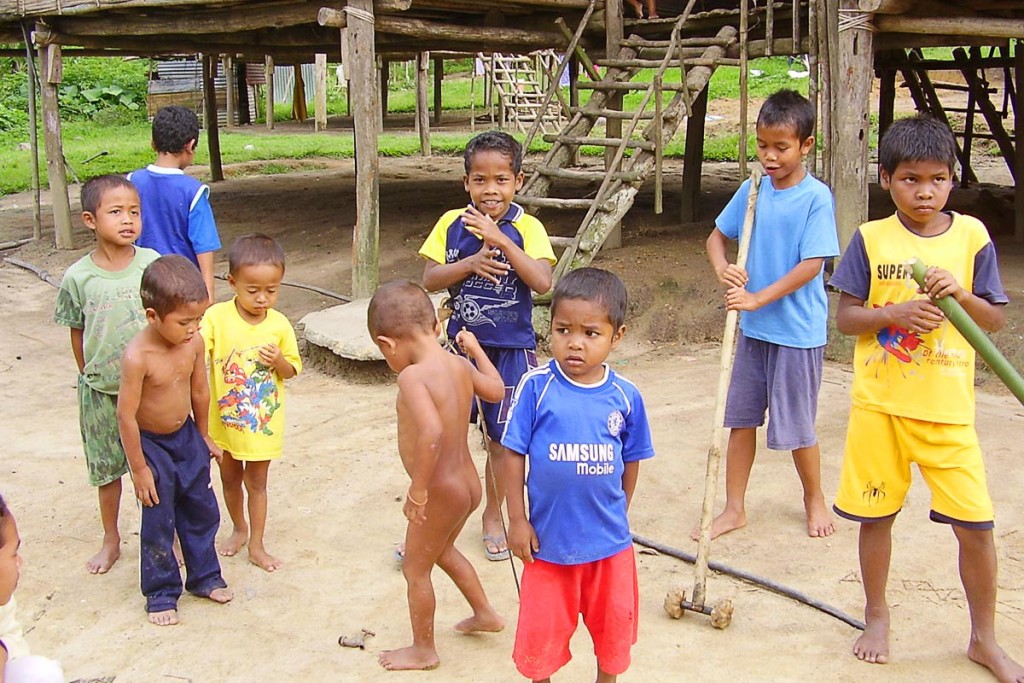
pixel 342 329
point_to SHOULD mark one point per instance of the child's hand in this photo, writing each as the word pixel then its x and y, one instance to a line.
pixel 467 342
pixel 732 276
pixel 485 263
pixel 270 354
pixel 739 299
pixel 216 452
pixel 939 283
pixel 145 487
pixel 920 316
pixel 522 540
pixel 415 509
pixel 483 226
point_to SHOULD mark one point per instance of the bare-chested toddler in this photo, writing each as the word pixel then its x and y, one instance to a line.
pixel 163 413
pixel 435 393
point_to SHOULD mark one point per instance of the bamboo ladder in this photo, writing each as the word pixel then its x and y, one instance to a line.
pixel 622 179
pixel 516 80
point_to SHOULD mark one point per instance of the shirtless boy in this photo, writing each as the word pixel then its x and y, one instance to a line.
pixel 435 393
pixel 163 413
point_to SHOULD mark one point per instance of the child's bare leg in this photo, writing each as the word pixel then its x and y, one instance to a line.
pixel 110 551
pixel 494 488
pixel 605 677
pixel 255 479
pixel 652 10
pixel 739 460
pixel 875 551
pixel 456 566
pixel 978 574
pixel 231 474
pixel 424 544
pixel 808 466
pixel 637 7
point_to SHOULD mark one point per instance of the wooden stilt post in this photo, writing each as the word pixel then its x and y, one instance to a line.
pixel 320 102
pixel 366 233
pixel 438 78
pixel 826 34
pixel 33 135
pixel 228 67
pixel 50 62
pixel 422 109
pixel 1018 131
pixel 744 28
pixel 614 32
pixel 268 76
pixel 693 158
pixel 385 85
pixel 812 77
pixel 886 99
pixel 972 105
pixel 210 109
pixel 574 97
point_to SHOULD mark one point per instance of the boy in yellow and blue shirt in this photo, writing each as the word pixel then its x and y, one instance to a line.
pixel 913 386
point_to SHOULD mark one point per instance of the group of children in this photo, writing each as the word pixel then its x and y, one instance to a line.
pixel 564 439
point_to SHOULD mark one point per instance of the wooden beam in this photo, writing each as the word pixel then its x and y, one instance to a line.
pixel 366 232
pixel 210 109
pixel 33 136
pixel 693 158
pixel 950 26
pixel 417 28
pixel 268 76
pixel 50 64
pixel 422 109
pixel 385 86
pixel 203 12
pixel 614 32
pixel 1018 130
pixel 438 80
pixel 320 96
pixel 230 94
pixel 886 6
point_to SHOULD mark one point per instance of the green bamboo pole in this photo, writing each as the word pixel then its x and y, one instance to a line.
pixel 975 336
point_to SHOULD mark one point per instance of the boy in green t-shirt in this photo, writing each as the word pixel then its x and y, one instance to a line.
pixel 99 300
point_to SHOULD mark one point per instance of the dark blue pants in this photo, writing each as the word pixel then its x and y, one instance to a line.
pixel 181 467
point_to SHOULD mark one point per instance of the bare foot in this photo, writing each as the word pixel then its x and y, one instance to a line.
pixel 873 644
pixel 490 622
pixel 168 617
pixel 408 658
pixel 264 560
pixel 637 7
pixel 221 595
pixel 101 562
pixel 993 658
pixel 724 523
pixel 819 521
pixel 235 542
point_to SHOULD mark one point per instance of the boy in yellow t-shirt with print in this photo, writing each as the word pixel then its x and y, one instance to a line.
pixel 913 382
pixel 251 350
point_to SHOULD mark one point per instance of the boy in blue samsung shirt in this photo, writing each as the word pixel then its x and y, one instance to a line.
pixel 584 431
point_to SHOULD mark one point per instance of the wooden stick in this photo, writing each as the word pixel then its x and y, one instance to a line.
pixel 718 435
pixel 33 136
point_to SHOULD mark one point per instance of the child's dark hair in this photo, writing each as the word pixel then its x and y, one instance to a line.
pixel 790 109
pixel 399 308
pixel 594 284
pixel 170 282
pixel 173 128
pixel 94 189
pixel 495 141
pixel 918 138
pixel 255 249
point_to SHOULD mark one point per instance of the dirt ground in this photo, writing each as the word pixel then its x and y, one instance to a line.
pixel 335 498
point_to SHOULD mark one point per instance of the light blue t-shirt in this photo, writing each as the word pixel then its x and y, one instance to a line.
pixel 790 226
pixel 576 438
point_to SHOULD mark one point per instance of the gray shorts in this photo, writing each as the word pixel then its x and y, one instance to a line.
pixel 782 380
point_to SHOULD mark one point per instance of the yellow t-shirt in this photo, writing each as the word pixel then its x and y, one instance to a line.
pixel 247 397
pixel 929 376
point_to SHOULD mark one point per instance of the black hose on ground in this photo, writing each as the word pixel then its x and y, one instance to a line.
pixel 754 579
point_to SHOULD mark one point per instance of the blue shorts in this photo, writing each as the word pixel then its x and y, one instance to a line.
pixel 782 380
pixel 511 364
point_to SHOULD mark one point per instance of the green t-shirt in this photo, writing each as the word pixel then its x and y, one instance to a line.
pixel 108 307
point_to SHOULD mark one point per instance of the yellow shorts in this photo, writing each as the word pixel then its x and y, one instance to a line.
pixel 876 469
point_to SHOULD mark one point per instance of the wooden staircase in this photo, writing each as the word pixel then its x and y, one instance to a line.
pixel 644 133
pixel 517 81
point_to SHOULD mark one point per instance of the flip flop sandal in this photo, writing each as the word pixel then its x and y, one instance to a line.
pixel 497 542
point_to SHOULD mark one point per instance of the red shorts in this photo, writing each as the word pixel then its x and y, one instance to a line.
pixel 552 598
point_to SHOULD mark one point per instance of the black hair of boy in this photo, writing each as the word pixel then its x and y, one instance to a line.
pixel 94 189
pixel 598 286
pixel 495 141
pixel 789 109
pixel 255 249
pixel 917 138
pixel 171 282
pixel 399 308
pixel 173 128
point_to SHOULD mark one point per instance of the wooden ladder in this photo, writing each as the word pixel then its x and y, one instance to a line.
pixel 696 58
pixel 517 81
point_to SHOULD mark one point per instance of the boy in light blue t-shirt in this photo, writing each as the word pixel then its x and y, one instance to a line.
pixel 784 310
